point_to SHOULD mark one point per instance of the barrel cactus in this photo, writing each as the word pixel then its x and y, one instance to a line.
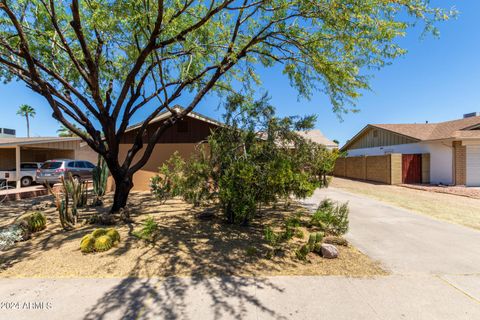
pixel 35 221
pixel 99 232
pixel 113 234
pixel 87 244
pixel 103 243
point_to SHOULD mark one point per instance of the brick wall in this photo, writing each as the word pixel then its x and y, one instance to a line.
pixel 384 169
pixel 460 163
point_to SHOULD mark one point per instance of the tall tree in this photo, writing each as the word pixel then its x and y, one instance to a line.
pixel 28 112
pixel 117 59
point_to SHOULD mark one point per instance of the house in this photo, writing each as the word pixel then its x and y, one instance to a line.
pixel 437 153
pixel 184 137
pixel 14 150
pixel 317 136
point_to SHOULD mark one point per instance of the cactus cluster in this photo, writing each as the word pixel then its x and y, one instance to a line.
pixel 100 176
pixel 34 221
pixel 74 196
pixel 313 245
pixel 99 240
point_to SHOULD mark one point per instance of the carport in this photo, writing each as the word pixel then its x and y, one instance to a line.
pixel 14 151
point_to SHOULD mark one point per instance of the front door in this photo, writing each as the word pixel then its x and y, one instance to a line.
pixel 411 168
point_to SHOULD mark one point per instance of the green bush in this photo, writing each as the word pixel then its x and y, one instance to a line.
pixel 331 217
pixel 148 231
pixel 302 253
pixel 103 243
pixel 270 236
pixel 243 171
pixel 34 221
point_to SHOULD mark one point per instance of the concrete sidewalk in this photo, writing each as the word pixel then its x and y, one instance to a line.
pixel 392 297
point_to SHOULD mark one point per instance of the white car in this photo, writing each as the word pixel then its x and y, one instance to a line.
pixel 28 172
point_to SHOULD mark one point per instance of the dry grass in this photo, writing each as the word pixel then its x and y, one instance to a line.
pixel 187 246
pixel 451 208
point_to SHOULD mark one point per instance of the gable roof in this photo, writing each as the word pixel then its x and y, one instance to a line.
pixel 317 136
pixel 167 114
pixel 454 129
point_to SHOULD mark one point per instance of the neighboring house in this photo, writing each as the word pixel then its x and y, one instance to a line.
pixel 14 151
pixel 449 150
pixel 184 137
pixel 317 136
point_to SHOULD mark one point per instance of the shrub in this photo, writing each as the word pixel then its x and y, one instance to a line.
pixel 331 217
pixel 302 253
pixel 9 236
pixel 270 236
pixel 87 244
pixel 113 234
pixel 241 171
pixel 103 243
pixel 148 230
pixel 34 221
pixel 99 232
pixel 251 251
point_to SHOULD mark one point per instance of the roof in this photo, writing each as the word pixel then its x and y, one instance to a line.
pixel 317 136
pixel 167 114
pixel 7 142
pixel 454 129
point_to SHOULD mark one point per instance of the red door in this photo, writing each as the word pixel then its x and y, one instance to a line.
pixel 412 168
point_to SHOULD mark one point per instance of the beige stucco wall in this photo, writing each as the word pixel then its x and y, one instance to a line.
pixel 161 153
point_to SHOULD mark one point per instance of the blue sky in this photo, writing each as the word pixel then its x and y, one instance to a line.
pixel 438 80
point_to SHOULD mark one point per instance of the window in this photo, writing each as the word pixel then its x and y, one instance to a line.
pixel 28 166
pixel 51 165
pixel 182 126
pixel 71 164
pixel 79 164
pixel 89 165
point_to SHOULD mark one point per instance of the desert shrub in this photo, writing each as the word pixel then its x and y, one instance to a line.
pixel 313 245
pixel 302 252
pixel 331 217
pixel 99 232
pixel 251 251
pixel 34 221
pixel 103 243
pixel 270 236
pixel 148 231
pixel 113 234
pixel 9 236
pixel 256 159
pixel 87 244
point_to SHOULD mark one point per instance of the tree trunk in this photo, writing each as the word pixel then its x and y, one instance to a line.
pixel 28 126
pixel 123 185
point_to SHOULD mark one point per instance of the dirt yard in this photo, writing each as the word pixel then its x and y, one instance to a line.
pixel 453 208
pixel 187 246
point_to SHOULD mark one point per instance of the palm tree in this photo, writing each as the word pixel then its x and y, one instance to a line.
pixel 65 132
pixel 28 112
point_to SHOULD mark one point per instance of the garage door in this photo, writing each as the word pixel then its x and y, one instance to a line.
pixel 473 166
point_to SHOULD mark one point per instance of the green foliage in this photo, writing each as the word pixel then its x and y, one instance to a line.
pixel 302 252
pixel 34 221
pixel 87 244
pixel 256 159
pixel 100 177
pixel 331 217
pixel 148 231
pixel 103 243
pixel 251 251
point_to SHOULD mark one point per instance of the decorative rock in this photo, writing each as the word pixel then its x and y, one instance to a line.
pixel 329 251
